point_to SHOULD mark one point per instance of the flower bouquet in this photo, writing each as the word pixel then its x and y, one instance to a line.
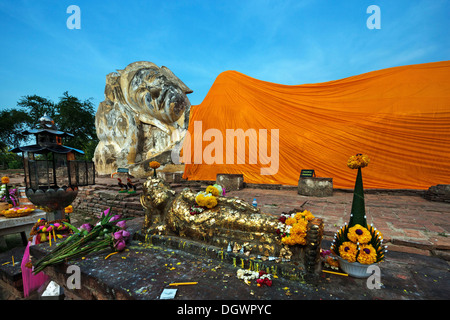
pixel 109 232
pixel 206 199
pixel 358 245
pixel 292 227
pixel 293 232
pixel 8 195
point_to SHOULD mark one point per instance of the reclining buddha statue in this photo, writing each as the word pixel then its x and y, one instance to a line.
pixel 231 221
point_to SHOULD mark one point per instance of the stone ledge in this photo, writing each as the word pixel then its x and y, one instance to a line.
pixel 11 276
pixel 440 192
pixel 288 270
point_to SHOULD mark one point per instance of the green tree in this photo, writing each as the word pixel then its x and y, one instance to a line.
pixel 77 117
pixel 36 107
pixel 12 123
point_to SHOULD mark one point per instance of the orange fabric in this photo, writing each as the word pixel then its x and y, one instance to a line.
pixel 399 117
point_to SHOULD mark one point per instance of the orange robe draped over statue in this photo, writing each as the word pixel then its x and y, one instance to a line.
pixel 399 117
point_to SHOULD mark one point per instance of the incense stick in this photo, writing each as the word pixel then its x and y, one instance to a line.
pixel 182 283
pixel 338 273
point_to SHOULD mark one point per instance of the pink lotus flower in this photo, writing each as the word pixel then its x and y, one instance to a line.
pixel 114 218
pixel 122 224
pixel 121 235
pixel 86 227
pixel 120 245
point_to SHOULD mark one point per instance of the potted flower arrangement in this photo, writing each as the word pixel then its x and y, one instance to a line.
pixel 358 245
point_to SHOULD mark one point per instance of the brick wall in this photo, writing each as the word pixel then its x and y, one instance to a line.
pixel 93 200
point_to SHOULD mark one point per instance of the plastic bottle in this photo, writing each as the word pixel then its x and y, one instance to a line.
pixel 254 203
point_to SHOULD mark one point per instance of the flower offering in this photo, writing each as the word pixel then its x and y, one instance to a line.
pixel 292 227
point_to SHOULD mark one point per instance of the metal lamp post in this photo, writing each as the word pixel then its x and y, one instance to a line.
pixel 52 179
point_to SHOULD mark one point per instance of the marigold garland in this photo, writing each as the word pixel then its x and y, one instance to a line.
pixel 5 180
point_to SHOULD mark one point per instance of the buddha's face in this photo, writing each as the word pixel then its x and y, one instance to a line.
pixel 158 95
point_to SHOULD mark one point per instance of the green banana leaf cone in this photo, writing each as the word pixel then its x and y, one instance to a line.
pixel 358 212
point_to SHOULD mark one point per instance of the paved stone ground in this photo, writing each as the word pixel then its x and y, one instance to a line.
pixel 143 271
pixel 416 232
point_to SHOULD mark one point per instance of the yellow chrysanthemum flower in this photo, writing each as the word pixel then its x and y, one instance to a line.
pixel 348 251
pixel 206 200
pixel 367 254
pixel 200 199
pixel 211 202
pixel 359 234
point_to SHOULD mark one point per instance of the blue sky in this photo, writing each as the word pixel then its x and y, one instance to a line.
pixel 288 42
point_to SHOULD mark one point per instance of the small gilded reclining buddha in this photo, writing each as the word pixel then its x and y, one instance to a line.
pixel 214 219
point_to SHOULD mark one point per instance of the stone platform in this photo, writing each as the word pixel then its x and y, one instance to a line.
pixel 416 231
pixel 408 221
pixel 142 272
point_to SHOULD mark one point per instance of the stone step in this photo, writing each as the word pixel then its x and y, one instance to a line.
pixel 11 275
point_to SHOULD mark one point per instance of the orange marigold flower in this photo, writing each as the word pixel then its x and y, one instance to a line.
pixel 154 164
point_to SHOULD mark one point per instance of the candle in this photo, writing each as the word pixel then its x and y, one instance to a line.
pixel 13 260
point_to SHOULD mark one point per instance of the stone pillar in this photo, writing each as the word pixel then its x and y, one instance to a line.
pixel 316 187
pixel 231 182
